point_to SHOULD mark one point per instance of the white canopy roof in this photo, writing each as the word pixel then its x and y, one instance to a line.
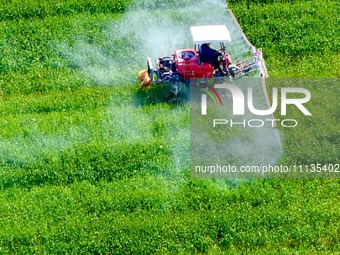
pixel 210 33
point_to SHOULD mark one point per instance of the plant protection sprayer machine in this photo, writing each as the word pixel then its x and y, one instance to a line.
pixel 185 64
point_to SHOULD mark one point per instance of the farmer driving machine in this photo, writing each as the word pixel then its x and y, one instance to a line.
pixel 185 64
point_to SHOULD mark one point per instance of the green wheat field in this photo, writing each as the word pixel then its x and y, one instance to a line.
pixel 90 164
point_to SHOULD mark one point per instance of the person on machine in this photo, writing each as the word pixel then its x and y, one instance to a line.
pixel 209 55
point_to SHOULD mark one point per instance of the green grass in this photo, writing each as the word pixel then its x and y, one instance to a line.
pixel 304 37
pixel 16 9
pixel 88 167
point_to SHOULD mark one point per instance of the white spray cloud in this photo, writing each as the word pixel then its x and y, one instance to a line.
pixel 158 30
pixel 149 29
pixel 155 29
pixel 127 124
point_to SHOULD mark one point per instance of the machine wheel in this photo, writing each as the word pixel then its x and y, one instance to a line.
pixel 179 88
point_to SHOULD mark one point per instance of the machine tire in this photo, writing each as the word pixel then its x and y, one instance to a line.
pixel 177 81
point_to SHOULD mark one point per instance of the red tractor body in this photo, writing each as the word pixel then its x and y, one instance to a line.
pixel 188 66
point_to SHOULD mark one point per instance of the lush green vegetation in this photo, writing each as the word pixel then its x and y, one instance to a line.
pixel 16 9
pixel 86 167
pixel 307 46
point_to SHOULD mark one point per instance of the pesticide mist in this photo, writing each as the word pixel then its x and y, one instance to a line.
pixel 153 29
pixel 159 30
pixel 150 29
